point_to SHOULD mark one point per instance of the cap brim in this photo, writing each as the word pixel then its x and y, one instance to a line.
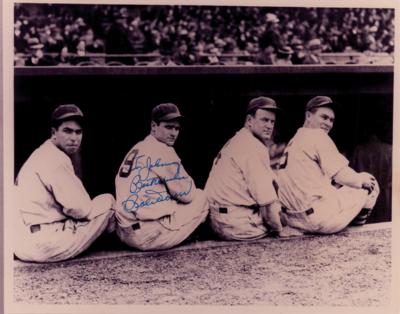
pixel 271 108
pixel 171 116
pixel 332 105
pixel 69 116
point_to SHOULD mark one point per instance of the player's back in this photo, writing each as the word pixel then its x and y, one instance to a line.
pixel 304 174
pixel 227 183
pixel 34 184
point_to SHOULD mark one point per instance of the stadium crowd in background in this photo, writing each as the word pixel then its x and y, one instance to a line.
pixel 46 34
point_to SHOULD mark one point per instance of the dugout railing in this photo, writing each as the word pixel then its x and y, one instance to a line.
pixel 240 58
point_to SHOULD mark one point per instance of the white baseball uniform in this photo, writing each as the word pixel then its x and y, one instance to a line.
pixel 157 203
pixel 240 181
pixel 313 204
pixel 55 217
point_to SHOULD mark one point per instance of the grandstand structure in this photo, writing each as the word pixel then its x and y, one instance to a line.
pixel 112 35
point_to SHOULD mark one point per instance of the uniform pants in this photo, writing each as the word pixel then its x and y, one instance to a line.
pixel 58 241
pixel 333 213
pixel 237 222
pixel 167 231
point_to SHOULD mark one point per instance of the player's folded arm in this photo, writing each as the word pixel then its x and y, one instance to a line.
pixel 69 191
pixel 330 159
pixel 347 176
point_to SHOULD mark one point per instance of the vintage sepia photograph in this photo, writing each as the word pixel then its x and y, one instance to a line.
pixel 200 154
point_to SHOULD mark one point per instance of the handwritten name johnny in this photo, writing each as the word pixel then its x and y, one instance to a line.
pixel 143 182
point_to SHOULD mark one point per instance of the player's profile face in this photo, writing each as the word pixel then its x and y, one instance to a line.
pixel 67 137
pixel 262 124
pixel 166 131
pixel 322 118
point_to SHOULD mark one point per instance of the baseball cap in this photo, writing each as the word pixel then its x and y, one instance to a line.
pixel 262 103
pixel 165 112
pixel 66 111
pixel 319 101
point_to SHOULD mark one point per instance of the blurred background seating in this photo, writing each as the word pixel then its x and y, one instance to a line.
pixel 70 34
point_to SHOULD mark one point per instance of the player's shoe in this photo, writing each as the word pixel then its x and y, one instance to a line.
pixel 362 217
pixel 288 231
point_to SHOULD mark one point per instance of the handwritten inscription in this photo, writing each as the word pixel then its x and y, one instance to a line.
pixel 143 183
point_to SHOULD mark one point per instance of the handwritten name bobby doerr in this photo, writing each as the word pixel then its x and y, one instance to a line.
pixel 143 182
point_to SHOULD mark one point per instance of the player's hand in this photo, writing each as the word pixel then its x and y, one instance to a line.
pixel 101 204
pixel 368 181
pixel 288 231
pixel 271 216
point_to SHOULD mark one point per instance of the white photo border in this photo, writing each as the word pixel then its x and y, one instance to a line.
pixel 8 166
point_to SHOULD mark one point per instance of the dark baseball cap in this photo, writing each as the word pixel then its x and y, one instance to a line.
pixel 165 112
pixel 262 102
pixel 63 112
pixel 320 101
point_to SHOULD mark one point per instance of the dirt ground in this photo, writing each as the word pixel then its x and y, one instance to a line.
pixel 338 270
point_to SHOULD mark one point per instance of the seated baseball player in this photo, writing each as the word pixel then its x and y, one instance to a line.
pixel 240 188
pixel 157 203
pixel 55 217
pixel 319 191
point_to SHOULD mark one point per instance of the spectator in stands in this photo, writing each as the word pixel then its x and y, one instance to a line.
pixel 136 36
pixel 182 55
pixel 80 57
pixel 81 48
pixel 298 52
pixel 166 47
pixel 32 33
pixel 19 41
pixel 213 55
pixel 336 41
pixel 199 53
pixel 63 57
pixel 314 51
pixel 140 29
pixel 18 58
pixel 265 56
pixel 69 35
pixel 92 44
pixel 283 56
pixel 52 39
pixel 272 34
pixel 231 46
pixel 37 58
pixel 117 39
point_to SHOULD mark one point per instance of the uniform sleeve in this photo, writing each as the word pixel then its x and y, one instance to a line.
pixel 259 176
pixel 69 191
pixel 330 159
pixel 178 182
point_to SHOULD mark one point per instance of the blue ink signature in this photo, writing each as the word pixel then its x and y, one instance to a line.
pixel 142 180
